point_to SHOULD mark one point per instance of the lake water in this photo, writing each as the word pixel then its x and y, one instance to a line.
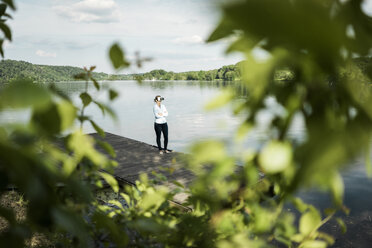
pixel 185 101
pixel 188 122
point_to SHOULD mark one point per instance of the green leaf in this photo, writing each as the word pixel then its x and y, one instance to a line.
pixel 242 131
pixel 326 237
pixel 104 108
pixel 24 94
pixel 83 118
pixel 313 244
pixel 117 204
pixel 159 176
pixel 2 9
pixel 342 225
pixel 224 29
pixel 275 157
pixel 242 45
pixel 70 222
pixel 116 233
pixel 107 147
pixel 309 221
pixel 47 120
pixel 101 106
pixel 7 214
pixel 125 197
pixel 56 118
pixel 69 165
pixel 297 237
pixel 300 205
pixel 67 112
pixel 113 94
pixel 6 30
pixel 96 84
pixel 345 210
pixel 221 100
pixel 82 145
pixel 337 188
pixel 329 211
pixel 110 180
pixel 1 48
pixel 60 93
pixel 81 76
pixel 98 129
pixel 85 98
pixel 208 151
pixel 368 161
pixel 117 57
pixel 178 184
pixel 10 3
pixel 7 15
pixel 153 199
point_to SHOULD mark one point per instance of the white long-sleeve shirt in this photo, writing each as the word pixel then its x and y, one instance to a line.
pixel 160 119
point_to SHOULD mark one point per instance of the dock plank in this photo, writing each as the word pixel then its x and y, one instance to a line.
pixel 135 157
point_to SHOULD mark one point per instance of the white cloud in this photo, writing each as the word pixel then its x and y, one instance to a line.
pixel 104 11
pixel 186 40
pixel 45 54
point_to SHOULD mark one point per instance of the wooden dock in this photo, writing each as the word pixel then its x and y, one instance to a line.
pixel 135 157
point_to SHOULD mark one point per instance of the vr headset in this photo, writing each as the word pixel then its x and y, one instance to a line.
pixel 159 99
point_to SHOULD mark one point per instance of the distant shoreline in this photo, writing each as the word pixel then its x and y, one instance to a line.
pixel 12 70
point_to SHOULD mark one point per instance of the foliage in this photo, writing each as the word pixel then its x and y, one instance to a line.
pixel 56 167
pixel 332 101
pixel 226 73
pixel 4 16
pixel 311 48
pixel 11 70
pixel 52 164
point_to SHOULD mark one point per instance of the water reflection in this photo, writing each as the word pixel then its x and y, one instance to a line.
pixel 156 84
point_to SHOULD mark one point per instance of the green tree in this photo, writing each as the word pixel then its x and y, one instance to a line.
pixel 13 70
pixel 230 76
pixel 201 75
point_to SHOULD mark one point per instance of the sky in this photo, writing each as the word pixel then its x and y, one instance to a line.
pixel 80 32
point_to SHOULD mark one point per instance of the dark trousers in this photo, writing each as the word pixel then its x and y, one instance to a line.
pixel 158 129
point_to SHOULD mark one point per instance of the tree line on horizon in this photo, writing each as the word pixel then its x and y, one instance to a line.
pixel 11 70
pixel 225 73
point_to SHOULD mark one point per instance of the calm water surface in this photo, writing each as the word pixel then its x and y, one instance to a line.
pixel 185 101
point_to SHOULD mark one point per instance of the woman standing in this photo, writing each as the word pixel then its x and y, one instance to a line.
pixel 160 124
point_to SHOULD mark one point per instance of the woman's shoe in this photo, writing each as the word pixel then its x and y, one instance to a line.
pixel 168 151
pixel 161 152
